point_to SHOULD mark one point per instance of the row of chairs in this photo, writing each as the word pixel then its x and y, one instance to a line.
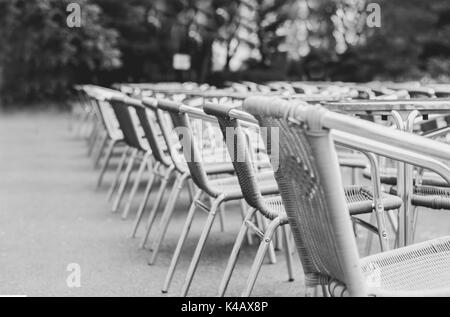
pixel 280 154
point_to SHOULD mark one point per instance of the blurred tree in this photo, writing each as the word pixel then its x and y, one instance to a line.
pixel 143 41
pixel 320 33
pixel 234 27
pixel 135 40
pixel 152 31
pixel 272 18
pixel 196 25
pixel 413 40
pixel 42 57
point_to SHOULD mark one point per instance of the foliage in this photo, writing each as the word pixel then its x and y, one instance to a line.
pixel 42 57
pixel 135 40
pixel 413 42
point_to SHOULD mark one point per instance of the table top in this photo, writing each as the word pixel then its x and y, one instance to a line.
pixel 362 107
pixel 424 106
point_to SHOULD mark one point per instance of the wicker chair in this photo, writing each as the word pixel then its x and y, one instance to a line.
pixel 180 168
pixel 311 188
pixel 360 199
pixel 429 191
pixel 167 166
pixel 96 117
pixel 429 196
pixel 139 150
pixel 82 113
pixel 108 120
pixel 219 190
pixel 163 168
pixel 388 176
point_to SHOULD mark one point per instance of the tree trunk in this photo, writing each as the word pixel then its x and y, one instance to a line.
pixel 226 68
pixel 206 62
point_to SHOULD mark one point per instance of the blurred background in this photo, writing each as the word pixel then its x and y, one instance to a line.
pixel 216 41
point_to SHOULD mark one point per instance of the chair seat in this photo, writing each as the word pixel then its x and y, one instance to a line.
pixel 276 207
pixel 388 176
pixel 231 188
pixel 215 162
pixel 429 196
pixel 417 270
pixel 360 200
pixel 219 168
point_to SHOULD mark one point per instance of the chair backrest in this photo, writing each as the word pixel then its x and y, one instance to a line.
pixel 239 149
pixel 166 127
pixel 190 148
pixel 109 117
pixel 101 109
pixel 83 97
pixel 127 123
pixel 311 188
pixel 151 130
pixel 173 145
pixel 160 124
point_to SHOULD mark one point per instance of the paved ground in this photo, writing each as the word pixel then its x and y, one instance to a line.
pixel 51 216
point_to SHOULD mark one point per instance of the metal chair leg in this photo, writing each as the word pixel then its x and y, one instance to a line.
pixel 221 212
pixel 355 229
pixel 137 182
pixel 181 241
pixel 84 117
pixel 278 240
pixel 259 221
pixel 101 148
pixel 147 192
pixel 243 213
pixel 124 182
pixel 288 252
pixel 235 253
pixel 222 217
pixel 105 164
pixel 156 204
pixel 85 121
pixel 369 240
pixel 257 263
pixel 92 139
pixel 272 255
pixel 167 216
pixel 414 228
pixel 97 140
pixel 201 244
pixel 84 128
pixel 92 142
pixel 117 173
pixel 191 190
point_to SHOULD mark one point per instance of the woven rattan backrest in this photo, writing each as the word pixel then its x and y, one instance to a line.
pixel 126 123
pixel 152 133
pixel 83 97
pixel 109 117
pixel 102 111
pixel 173 145
pixel 95 104
pixel 238 148
pixel 190 148
pixel 311 188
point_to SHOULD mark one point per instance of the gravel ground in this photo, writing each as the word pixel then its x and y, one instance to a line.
pixel 52 216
